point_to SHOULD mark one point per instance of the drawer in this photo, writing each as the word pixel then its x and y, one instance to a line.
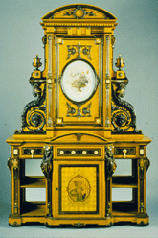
pixel 125 151
pixel 32 152
pixel 78 152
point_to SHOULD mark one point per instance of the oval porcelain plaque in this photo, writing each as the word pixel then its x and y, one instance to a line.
pixel 78 81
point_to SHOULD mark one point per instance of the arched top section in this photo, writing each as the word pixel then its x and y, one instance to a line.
pixel 79 11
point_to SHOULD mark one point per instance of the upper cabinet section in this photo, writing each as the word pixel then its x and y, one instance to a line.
pixel 78 88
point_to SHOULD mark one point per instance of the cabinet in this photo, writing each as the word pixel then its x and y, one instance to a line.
pixel 78 158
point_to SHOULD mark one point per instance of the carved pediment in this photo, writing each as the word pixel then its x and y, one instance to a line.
pixel 79 11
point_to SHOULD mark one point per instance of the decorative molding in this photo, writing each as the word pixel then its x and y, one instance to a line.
pixel 107 78
pixel 78 25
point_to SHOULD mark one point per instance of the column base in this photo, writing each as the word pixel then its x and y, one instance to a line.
pixel 15 220
pixel 142 220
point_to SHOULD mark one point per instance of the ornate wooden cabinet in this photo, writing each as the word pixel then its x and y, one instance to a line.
pixel 78 130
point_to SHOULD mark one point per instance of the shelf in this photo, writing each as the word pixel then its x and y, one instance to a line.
pixel 33 182
pixel 124 181
pixel 124 209
pixel 33 209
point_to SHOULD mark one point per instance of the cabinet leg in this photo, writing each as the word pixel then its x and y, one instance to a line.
pixel 142 220
pixel 14 221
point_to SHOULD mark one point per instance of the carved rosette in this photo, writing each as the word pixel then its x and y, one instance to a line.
pixel 123 114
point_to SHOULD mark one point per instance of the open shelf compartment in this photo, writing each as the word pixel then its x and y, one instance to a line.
pixel 33 209
pixel 124 181
pixel 124 208
pixel 33 182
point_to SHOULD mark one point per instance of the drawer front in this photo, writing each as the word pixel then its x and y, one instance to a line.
pixel 32 152
pixel 125 151
pixel 35 151
pixel 78 153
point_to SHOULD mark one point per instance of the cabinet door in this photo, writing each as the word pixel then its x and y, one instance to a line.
pixel 78 189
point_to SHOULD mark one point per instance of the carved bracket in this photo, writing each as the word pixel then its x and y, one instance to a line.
pixel 14 163
pixel 34 114
pixel 47 162
pixel 110 163
pixel 123 114
pixel 110 166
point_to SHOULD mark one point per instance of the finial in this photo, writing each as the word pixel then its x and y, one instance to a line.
pixel 120 62
pixel 37 62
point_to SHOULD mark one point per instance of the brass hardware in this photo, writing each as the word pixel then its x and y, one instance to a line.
pixel 32 152
pixel 15 151
pixel 141 151
pixel 124 153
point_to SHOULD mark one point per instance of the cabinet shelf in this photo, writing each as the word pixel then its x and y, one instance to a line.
pixel 33 182
pixel 124 209
pixel 124 181
pixel 33 209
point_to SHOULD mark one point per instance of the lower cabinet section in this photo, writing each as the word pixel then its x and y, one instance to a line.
pixel 78 186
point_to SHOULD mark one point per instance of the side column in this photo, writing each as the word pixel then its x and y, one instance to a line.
pixel 14 166
pixel 110 166
pixel 47 169
pixel 142 218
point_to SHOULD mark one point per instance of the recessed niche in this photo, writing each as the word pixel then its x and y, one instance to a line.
pixel 35 194
pixel 32 167
pixel 123 167
pixel 121 194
